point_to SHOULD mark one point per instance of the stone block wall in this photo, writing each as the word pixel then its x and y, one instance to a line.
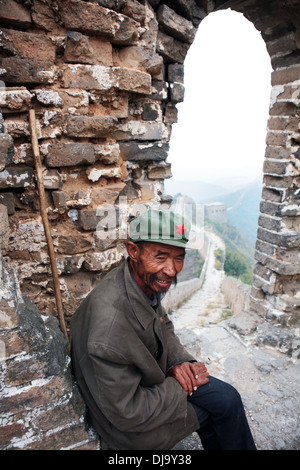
pixel 104 107
pixel 40 406
pixel 104 78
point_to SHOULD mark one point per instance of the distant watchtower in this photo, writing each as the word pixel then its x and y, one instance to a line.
pixel 216 212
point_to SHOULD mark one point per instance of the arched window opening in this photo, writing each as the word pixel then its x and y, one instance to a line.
pixel 217 147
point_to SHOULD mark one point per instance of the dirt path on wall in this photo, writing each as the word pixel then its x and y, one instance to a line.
pixel 260 374
pixel 206 305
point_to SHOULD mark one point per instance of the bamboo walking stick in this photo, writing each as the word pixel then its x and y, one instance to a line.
pixel 43 207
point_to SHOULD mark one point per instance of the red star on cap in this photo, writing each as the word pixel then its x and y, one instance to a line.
pixel 180 229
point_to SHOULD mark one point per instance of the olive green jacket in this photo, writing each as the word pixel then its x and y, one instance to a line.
pixel 121 352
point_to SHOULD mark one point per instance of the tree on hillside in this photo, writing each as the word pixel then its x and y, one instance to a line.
pixel 237 265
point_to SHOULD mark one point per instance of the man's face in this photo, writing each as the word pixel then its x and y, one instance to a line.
pixel 157 266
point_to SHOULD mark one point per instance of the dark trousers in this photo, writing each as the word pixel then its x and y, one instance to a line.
pixel 222 419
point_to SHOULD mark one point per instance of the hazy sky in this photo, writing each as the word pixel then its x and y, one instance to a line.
pixel 222 122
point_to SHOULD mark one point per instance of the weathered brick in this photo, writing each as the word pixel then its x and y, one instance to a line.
pixel 273 209
pixel 107 153
pixel 52 179
pixel 194 10
pixel 138 57
pixel 25 370
pixel 175 25
pixel 81 49
pixel 37 396
pixel 10 432
pixel 285 108
pixel 176 73
pixel 270 223
pixel 59 199
pixel 134 151
pixel 132 80
pixel 18 126
pixel 291 240
pixel 160 171
pixel 48 97
pixel 266 248
pixel 288 75
pixel 15 344
pixel 94 174
pixel 283 45
pixel 273 194
pixel 266 286
pixel 106 194
pixel 60 416
pixel 14 14
pixel 288 92
pixel 150 112
pixel 284 123
pixel 159 90
pixel 139 130
pixel 134 10
pixel 277 152
pixel 171 114
pixel 61 439
pixel 6 150
pixel 171 49
pixel 91 445
pixel 72 101
pixel 287 265
pixel 90 126
pixel 91 18
pixel 70 154
pixel 31 71
pixel 103 261
pixel 109 103
pixel 276 138
pixel 4 226
pixel 176 93
pixel 275 167
pixel 15 177
pixel 15 100
pixel 88 219
pixel 88 77
pixel 73 244
pixel 7 199
pixel 31 45
pixel 43 15
pixel 278 182
pixel 127 34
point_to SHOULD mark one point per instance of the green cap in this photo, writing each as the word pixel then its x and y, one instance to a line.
pixel 160 226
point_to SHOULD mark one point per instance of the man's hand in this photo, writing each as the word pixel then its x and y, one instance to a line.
pixel 190 375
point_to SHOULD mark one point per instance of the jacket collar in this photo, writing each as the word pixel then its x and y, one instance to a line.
pixel 138 301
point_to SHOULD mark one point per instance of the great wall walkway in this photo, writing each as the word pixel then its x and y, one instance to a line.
pixel 268 381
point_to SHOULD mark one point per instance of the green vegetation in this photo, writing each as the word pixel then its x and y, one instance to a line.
pixel 193 264
pixel 243 208
pixel 226 314
pixel 239 256
pixel 219 257
pixel 238 259
pixel 237 265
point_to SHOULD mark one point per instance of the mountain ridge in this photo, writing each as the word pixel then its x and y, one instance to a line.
pixel 242 204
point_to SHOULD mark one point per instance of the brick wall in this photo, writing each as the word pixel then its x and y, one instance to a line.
pixel 104 78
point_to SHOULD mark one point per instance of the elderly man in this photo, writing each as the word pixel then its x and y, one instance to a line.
pixel 143 390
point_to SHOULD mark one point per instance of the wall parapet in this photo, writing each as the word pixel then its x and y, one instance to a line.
pixel 104 79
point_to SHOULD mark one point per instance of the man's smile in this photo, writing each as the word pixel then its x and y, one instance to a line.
pixel 163 283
